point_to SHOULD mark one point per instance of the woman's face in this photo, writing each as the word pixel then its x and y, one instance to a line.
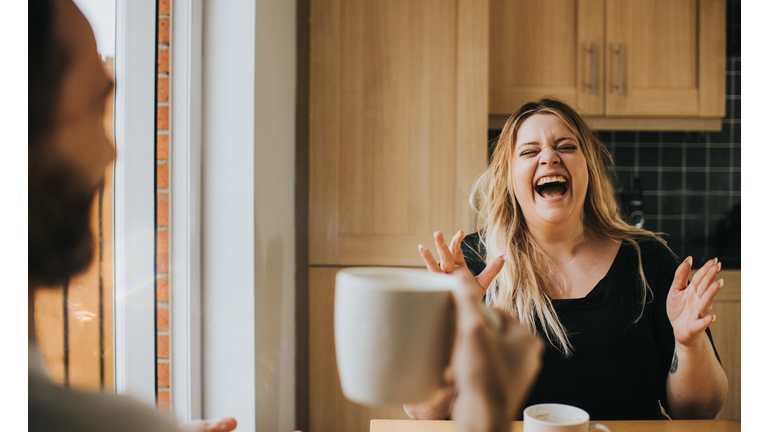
pixel 549 170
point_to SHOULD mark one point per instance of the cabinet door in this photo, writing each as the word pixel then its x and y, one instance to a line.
pixel 665 58
pixel 546 48
pixel 329 410
pixel 398 125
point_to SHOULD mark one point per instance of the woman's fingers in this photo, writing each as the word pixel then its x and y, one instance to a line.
pixel 446 257
pixel 708 297
pixel 429 260
pixel 458 254
pixel 456 241
pixel 681 274
pixel 484 279
pixel 696 279
pixel 702 324
pixel 707 279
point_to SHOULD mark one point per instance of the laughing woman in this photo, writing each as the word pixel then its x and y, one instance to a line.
pixel 626 333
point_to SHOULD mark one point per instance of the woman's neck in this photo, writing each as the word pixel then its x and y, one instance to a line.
pixel 560 242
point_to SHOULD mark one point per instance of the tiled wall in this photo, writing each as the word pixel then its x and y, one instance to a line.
pixel 691 181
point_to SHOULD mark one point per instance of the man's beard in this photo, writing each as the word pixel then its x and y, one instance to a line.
pixel 61 243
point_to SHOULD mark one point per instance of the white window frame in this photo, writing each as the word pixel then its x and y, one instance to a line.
pixel 185 205
pixel 134 204
pixel 221 280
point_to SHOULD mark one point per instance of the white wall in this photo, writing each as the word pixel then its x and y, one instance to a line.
pixel 248 171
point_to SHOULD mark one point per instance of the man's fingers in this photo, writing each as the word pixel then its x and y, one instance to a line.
pixel 484 279
pixel 429 260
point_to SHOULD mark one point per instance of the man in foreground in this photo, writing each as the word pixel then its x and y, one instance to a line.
pixel 68 152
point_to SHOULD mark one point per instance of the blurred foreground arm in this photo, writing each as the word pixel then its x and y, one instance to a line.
pixel 224 424
pixel 495 365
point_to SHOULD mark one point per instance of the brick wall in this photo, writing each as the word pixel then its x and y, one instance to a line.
pixel 162 205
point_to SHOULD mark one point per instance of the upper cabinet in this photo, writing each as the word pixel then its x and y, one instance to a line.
pixel 657 63
pixel 398 125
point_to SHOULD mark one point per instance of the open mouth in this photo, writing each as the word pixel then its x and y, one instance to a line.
pixel 552 186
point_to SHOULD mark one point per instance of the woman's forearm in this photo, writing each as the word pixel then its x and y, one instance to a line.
pixel 696 383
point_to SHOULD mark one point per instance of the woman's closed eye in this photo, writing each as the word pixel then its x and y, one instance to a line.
pixel 566 148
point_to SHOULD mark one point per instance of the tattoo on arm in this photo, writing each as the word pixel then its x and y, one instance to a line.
pixel 673 368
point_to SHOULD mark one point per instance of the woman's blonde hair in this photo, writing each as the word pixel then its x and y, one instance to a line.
pixel 522 284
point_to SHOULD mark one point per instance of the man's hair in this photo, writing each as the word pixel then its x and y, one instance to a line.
pixel 60 239
pixel 47 60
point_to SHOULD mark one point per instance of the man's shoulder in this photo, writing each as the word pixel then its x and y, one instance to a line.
pixel 53 407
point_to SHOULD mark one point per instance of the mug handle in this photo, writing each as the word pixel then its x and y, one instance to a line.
pixel 602 427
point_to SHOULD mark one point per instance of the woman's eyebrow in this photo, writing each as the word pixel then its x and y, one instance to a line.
pixel 558 140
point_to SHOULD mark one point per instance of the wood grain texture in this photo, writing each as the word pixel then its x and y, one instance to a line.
pixel 726 332
pixel 673 62
pixel 534 48
pixel 398 125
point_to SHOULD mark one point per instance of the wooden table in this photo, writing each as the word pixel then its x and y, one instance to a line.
pixel 615 426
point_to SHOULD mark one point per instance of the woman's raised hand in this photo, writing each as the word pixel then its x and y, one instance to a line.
pixel 689 307
pixel 452 261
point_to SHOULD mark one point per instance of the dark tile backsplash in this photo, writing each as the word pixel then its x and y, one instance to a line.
pixel 691 181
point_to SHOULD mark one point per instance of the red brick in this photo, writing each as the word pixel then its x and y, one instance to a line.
pixel 163 181
pixel 163 348
pixel 161 263
pixel 162 289
pixel 162 147
pixel 162 251
pixel 162 89
pixel 164 401
pixel 163 209
pixel 163 30
pixel 163 318
pixel 163 60
pixel 162 242
pixel 162 118
pixel 163 375
pixel 164 7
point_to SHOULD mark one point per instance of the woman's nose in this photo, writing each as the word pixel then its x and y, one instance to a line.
pixel 549 156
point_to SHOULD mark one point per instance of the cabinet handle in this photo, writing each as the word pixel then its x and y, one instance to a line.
pixel 592 68
pixel 621 69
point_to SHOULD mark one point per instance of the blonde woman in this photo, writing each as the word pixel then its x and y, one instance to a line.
pixel 625 332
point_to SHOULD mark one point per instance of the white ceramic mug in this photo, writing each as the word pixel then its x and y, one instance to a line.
pixel 558 418
pixel 394 330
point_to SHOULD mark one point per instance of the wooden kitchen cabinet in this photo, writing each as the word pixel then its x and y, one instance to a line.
pixel 396 134
pixel 629 63
pixel 398 125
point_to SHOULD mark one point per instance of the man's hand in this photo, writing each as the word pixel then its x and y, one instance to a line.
pixel 496 362
pixel 224 424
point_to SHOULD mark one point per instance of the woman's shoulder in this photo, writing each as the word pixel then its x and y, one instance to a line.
pixel 658 260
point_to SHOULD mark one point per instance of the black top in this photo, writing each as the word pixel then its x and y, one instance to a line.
pixel 618 370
